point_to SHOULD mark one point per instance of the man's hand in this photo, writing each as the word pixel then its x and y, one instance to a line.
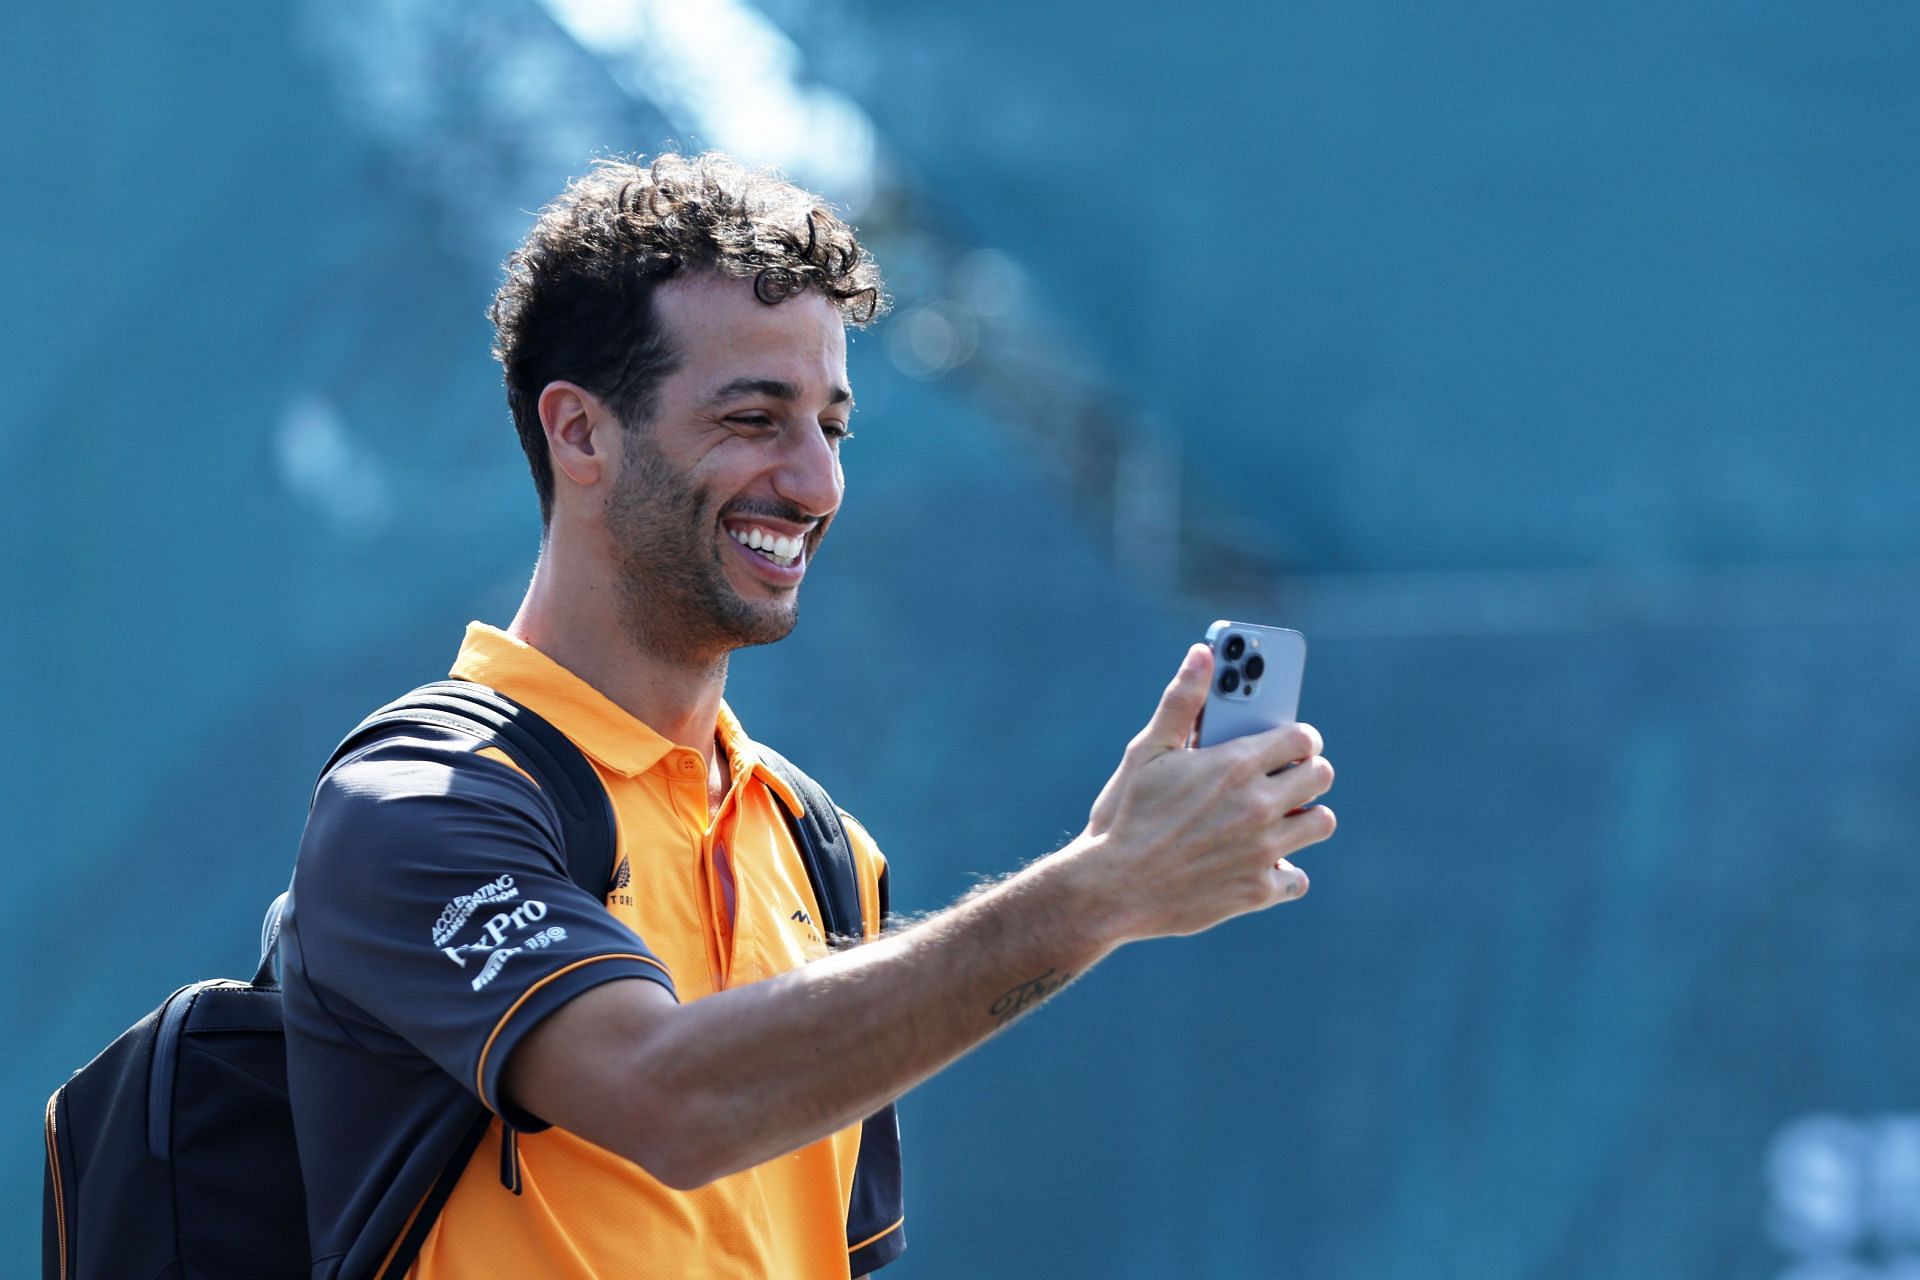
pixel 1181 839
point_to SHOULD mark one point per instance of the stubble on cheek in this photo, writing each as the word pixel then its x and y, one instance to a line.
pixel 675 593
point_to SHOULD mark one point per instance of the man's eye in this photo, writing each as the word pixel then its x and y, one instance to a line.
pixel 836 431
pixel 758 420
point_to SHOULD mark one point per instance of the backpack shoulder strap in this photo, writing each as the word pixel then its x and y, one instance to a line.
pixel 826 850
pixel 586 815
pixel 588 837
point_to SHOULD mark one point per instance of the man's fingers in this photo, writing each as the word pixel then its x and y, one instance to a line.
pixel 1310 825
pixel 1289 881
pixel 1277 748
pixel 1181 704
pixel 1301 784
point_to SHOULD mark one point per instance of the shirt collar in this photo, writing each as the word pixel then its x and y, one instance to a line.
pixel 594 722
pixel 743 758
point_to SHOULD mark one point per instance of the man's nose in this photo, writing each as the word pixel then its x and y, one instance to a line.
pixel 809 472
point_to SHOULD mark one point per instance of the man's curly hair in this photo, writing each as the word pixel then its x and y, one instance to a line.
pixel 577 303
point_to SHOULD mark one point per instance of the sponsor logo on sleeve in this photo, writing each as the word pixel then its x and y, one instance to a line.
pixel 493 934
pixel 501 936
pixel 497 959
pixel 454 916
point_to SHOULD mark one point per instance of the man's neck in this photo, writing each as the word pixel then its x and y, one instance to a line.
pixel 578 624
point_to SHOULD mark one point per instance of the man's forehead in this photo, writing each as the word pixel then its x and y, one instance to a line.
pixel 724 333
pixel 711 301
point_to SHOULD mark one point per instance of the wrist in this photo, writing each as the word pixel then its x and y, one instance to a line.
pixel 1094 920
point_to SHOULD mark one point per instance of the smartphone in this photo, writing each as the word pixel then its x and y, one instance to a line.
pixel 1256 681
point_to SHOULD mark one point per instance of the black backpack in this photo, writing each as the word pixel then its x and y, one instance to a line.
pixel 171 1156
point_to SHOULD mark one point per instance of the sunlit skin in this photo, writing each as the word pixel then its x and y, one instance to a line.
pixel 640 590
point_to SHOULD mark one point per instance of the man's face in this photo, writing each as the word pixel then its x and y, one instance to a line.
pixel 743 447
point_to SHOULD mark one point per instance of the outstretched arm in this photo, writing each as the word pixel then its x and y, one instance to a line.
pixel 1178 841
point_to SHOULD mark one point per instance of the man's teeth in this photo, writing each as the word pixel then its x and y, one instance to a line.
pixel 782 551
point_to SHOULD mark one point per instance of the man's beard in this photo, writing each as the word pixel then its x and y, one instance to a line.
pixel 675 599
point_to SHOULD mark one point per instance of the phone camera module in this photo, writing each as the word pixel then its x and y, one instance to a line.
pixel 1229 681
pixel 1256 665
pixel 1236 645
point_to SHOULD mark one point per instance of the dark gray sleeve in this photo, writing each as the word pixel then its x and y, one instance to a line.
pixel 433 904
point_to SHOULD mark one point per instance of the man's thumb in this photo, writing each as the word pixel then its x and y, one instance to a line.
pixel 1180 705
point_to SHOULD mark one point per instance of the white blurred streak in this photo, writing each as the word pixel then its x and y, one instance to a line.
pixel 990 284
pixel 486 108
pixel 933 339
pixel 1846 1196
pixel 727 75
pixel 322 466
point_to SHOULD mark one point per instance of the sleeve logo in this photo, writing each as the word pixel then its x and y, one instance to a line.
pixel 490 947
pixel 454 916
pixel 497 959
pixel 493 934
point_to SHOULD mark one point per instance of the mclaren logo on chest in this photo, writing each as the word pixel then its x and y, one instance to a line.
pixel 803 918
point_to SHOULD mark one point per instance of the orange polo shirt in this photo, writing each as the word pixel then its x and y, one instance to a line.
pixel 815 1214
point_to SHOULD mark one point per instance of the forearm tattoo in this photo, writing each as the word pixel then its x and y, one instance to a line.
pixel 1013 1003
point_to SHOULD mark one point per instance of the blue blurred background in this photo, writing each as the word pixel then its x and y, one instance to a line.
pixel 1551 367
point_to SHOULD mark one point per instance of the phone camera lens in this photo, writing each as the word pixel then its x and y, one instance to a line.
pixel 1255 666
pixel 1229 681
pixel 1236 645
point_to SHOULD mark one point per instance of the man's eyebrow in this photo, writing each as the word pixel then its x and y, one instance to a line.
pixel 774 388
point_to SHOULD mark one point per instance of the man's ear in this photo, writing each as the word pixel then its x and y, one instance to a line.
pixel 579 427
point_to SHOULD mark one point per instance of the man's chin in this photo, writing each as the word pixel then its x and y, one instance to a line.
pixel 748 625
pixel 776 630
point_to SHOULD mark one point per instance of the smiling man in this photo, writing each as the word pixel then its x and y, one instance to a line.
pixel 682 1079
